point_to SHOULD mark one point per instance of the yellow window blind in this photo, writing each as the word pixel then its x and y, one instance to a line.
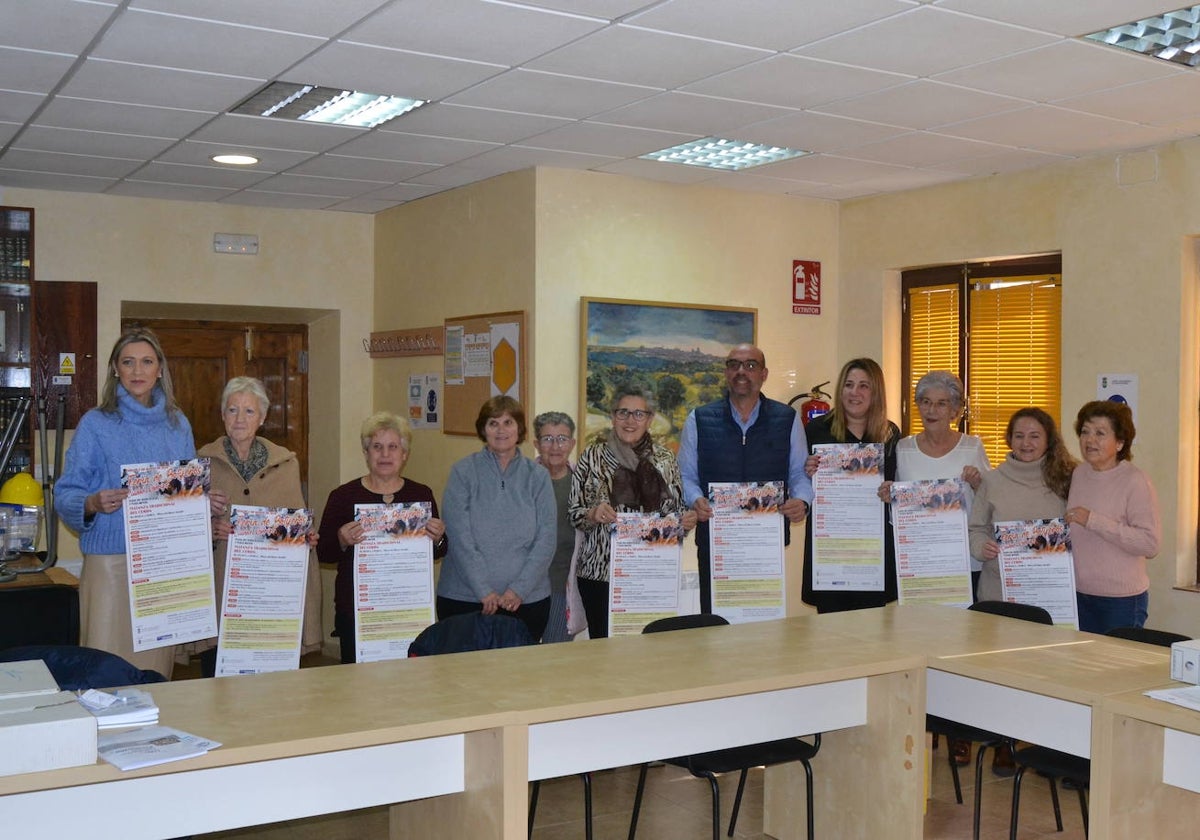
pixel 933 337
pixel 1014 354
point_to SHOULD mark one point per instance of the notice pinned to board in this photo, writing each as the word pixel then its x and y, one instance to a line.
pixel 484 358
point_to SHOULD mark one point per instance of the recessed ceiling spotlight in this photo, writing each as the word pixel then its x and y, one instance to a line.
pixel 1171 36
pixel 235 160
pixel 313 103
pixel 716 153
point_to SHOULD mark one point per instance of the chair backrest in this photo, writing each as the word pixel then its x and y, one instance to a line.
pixel 1025 612
pixel 684 622
pixel 1145 635
pixel 470 631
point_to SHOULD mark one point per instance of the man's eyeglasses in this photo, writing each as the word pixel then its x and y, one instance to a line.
pixel 550 440
pixel 743 364
pixel 638 414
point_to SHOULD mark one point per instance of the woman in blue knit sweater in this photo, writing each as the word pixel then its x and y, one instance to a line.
pixel 136 422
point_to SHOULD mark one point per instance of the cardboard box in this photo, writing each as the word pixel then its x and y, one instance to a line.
pixel 45 732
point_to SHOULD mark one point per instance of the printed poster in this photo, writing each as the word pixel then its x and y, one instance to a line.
pixel 262 596
pixel 746 546
pixel 425 400
pixel 847 518
pixel 393 579
pixel 1037 567
pixel 929 521
pixel 646 551
pixel 168 549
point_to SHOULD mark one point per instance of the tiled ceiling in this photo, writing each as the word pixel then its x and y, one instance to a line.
pixel 133 97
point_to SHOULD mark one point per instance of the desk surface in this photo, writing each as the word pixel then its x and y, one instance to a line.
pixel 52 576
pixel 315 710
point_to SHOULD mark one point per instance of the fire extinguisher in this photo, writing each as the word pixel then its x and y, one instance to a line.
pixel 815 405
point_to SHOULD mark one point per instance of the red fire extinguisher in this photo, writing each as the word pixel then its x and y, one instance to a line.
pixel 815 405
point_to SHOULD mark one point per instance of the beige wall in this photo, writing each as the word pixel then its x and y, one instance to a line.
pixel 1126 228
pixel 156 257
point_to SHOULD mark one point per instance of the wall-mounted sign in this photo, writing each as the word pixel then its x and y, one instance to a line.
pixel 806 287
pixel 423 341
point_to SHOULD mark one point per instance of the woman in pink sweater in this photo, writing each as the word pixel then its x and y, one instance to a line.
pixel 1115 525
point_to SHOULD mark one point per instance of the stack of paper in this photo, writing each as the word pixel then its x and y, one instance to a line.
pixel 123 707
pixel 41 728
pixel 1188 697
pixel 130 749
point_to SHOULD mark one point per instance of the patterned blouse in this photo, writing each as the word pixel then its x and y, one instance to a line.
pixel 592 485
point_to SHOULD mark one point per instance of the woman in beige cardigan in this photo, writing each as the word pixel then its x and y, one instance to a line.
pixel 250 470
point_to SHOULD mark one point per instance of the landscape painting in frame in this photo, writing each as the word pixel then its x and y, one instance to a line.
pixel 675 351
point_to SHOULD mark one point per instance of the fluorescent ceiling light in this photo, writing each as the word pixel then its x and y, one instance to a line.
pixel 1171 36
pixel 729 155
pixel 235 160
pixel 312 103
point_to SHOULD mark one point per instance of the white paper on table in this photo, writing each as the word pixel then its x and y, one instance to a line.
pixel 1188 697
pixel 262 596
pixel 847 518
pixel 393 579
pixel 168 546
pixel 130 749
pixel 745 537
pixel 1037 567
pixel 645 551
pixel 933 563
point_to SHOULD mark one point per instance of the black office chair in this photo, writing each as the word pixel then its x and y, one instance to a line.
pixel 952 730
pixel 711 764
pixel 1073 770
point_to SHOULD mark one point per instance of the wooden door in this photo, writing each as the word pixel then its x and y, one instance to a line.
pixel 204 355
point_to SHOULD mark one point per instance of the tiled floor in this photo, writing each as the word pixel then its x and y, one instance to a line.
pixel 677 807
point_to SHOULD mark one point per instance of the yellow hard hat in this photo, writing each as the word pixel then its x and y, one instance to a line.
pixel 21 489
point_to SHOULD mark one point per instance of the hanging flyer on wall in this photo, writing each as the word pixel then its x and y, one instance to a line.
pixel 746 545
pixel 262 600
pixel 644 572
pixel 168 538
pixel 1037 567
pixel 932 555
pixel 847 518
pixel 393 579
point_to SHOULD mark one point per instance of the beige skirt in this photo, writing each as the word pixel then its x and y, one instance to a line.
pixel 104 614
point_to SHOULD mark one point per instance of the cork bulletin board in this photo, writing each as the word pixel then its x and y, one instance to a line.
pixel 484 357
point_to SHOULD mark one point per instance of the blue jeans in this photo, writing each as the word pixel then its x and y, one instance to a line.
pixel 1099 614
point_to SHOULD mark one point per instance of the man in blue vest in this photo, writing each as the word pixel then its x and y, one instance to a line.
pixel 745 437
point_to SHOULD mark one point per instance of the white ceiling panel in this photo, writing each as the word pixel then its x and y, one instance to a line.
pixel 923 104
pixel 925 40
pixel 76 142
pixel 325 19
pixel 307 185
pixel 359 168
pixel 34 161
pixel 550 94
pixel 474 29
pixel 116 81
pixel 1068 68
pixel 30 70
pixel 54 25
pixel 117 118
pixel 764 23
pixel 469 123
pixel 395 72
pixel 235 129
pixel 691 114
pixel 199 153
pixel 416 148
pixel 191 44
pixel 644 57
pixel 1062 18
pixel 600 139
pixel 793 81
pixel 133 98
